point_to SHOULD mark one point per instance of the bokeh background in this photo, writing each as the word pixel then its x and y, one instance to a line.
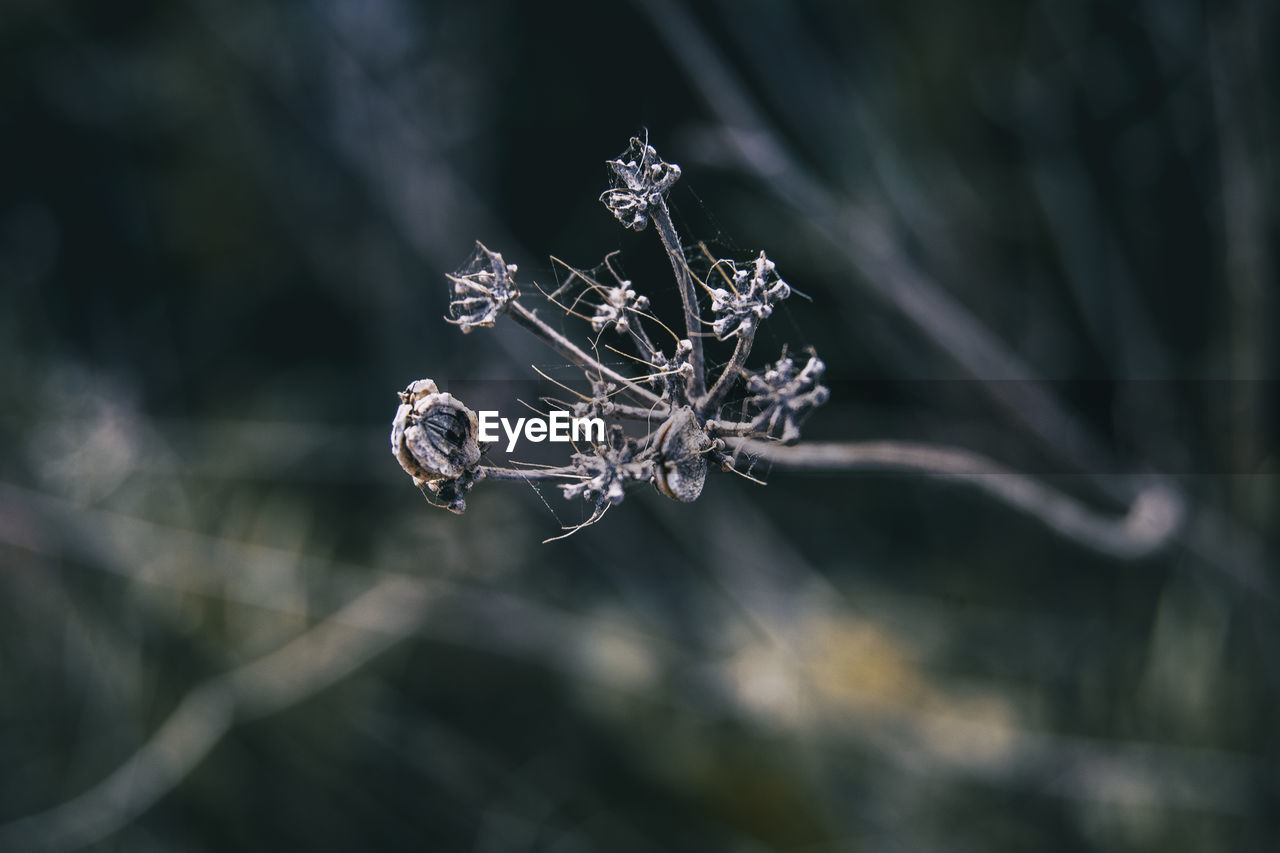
pixel 1044 230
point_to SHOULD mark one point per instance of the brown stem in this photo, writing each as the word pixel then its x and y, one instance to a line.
pixel 1153 518
pixel 692 314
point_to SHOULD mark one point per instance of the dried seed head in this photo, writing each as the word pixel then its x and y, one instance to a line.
pixel 784 396
pixel 481 290
pixel 680 469
pixel 613 311
pixel 749 301
pixel 605 472
pixel 433 437
pixel 600 404
pixel 641 179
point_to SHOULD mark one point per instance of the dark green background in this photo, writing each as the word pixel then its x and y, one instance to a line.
pixel 224 229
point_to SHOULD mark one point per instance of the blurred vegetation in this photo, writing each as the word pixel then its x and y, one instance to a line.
pixel 223 234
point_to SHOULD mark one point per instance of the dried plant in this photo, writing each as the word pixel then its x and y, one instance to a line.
pixel 692 413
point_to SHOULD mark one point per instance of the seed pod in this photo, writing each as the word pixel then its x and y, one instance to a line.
pixel 433 436
pixel 681 465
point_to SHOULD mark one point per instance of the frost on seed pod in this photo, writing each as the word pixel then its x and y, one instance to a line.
pixel 433 437
pixel 681 467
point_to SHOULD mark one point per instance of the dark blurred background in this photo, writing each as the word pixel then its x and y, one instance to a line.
pixel 1044 230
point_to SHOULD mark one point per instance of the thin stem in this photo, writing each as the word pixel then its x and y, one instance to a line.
pixel 665 327
pixel 720 429
pixel 1150 523
pixel 731 371
pixel 688 295
pixel 638 334
pixel 494 472
pixel 641 338
pixel 573 352
pixel 639 413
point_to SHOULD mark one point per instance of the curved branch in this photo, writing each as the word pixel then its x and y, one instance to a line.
pixel 1155 515
pixel 375 621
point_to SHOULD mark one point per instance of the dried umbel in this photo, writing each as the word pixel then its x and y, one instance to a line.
pixel 672 402
pixel 785 396
pixel 481 290
pixel 606 470
pixel 749 299
pixel 616 306
pixel 642 179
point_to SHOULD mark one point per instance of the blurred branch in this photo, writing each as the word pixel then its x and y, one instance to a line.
pixel 596 650
pixel 867 245
pixel 863 685
pixel 335 648
pixel 1247 177
pixel 1153 518
pixel 407 181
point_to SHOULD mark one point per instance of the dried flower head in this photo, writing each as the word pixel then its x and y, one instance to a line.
pixel 433 437
pixel 481 290
pixel 641 180
pixel 784 396
pixel 613 310
pixel 749 299
pixel 607 469
pixel 668 394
